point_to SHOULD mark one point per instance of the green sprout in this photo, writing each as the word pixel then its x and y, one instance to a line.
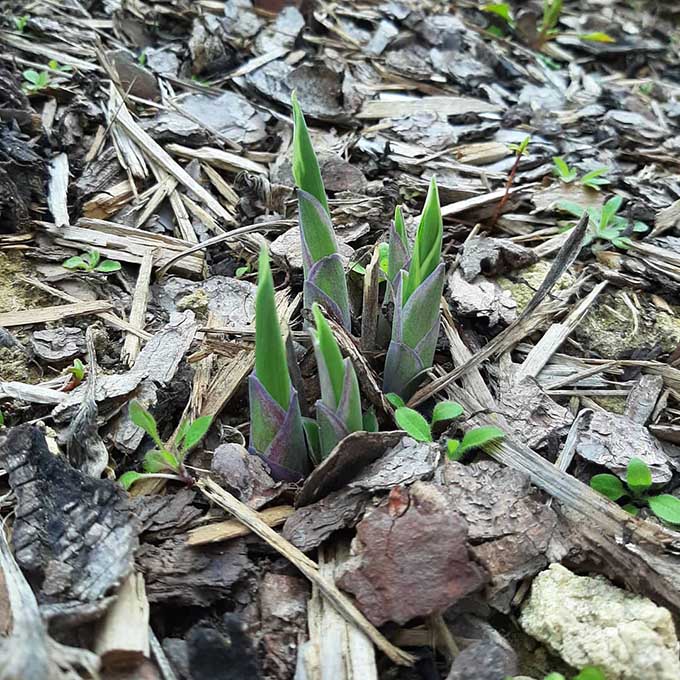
pixel 242 271
pixel 77 371
pixel 2 418
pixel 35 82
pixel 142 58
pixel 90 262
pixel 592 179
pixel 551 15
pixel 324 274
pixel 604 224
pixel 417 427
pixel 416 293
pixel 165 462
pixel 636 492
pixel 276 427
pixel 338 412
pixel 20 22
pixel 56 66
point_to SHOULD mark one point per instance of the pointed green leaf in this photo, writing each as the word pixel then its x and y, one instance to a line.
pixel 480 437
pixel 195 432
pixel 501 9
pixel 427 248
pixel 597 36
pixel 665 507
pixel 155 461
pixel 565 173
pixel 395 400
pixel 305 164
pixel 271 367
pixel 453 449
pixel 638 476
pixel 329 353
pixel 383 257
pixel 313 439
pixel 129 478
pixel 142 418
pixel 412 422
pixel 609 209
pixel 108 266
pixel 609 486
pixel 551 14
pixel 570 207
pixel 446 410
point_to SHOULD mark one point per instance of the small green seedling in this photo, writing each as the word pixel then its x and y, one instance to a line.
pixel 20 22
pixel 592 179
pixel 242 271
pixel 77 371
pixel 2 418
pixel 91 262
pixel 165 462
pixel 35 81
pixel 636 492
pixel 417 427
pixel 521 148
pixel 142 58
pixel 56 66
pixel 605 224
pixel 563 171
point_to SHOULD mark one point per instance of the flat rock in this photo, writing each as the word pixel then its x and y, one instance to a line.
pixel 282 33
pixel 493 256
pixel 229 114
pixel 588 621
pixel 57 345
pixel 612 440
pixel 410 557
pixel 481 299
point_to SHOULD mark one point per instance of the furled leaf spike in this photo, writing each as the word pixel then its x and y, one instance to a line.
pixel 415 325
pixel 338 412
pixel 276 431
pixel 324 273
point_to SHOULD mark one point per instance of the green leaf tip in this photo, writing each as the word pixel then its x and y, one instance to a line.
pixel 271 367
pixel 413 423
pixel 328 348
pixel 306 169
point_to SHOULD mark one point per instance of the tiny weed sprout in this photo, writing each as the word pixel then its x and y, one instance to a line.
pixel 77 371
pixel 604 224
pixel 91 262
pixel 521 148
pixel 276 428
pixel 563 171
pixel 416 294
pixel 20 23
pixel 324 274
pixel 242 271
pixel 55 65
pixel 141 59
pixel 35 81
pixel 417 427
pixel 165 462
pixel 636 492
pixel 588 673
pixel 338 412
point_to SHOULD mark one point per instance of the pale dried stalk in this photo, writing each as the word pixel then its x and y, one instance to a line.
pixel 140 299
pixel 309 568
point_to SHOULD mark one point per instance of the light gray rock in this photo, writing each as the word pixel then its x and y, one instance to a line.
pixel 588 621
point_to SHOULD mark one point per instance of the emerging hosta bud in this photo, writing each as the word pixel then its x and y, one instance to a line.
pixel 417 292
pixel 324 274
pixel 276 431
pixel 338 412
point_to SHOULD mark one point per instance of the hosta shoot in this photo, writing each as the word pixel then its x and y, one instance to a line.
pixel 324 274
pixel 276 431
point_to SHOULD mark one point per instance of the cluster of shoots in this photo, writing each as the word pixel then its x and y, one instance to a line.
pixel 593 179
pixel 91 262
pixel 166 461
pixel 605 225
pixel 636 492
pixel 35 81
pixel 545 29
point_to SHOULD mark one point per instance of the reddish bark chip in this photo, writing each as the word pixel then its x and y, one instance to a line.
pixel 413 562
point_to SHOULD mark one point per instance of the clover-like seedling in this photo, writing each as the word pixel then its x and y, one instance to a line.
pixel 604 224
pixel 636 492
pixel 92 262
pixel 35 81
pixel 165 462
pixel 77 371
pixel 417 427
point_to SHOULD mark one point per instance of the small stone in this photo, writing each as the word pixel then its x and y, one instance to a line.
pixel 484 660
pixel 590 622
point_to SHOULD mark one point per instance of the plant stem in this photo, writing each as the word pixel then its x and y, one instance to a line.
pixel 508 185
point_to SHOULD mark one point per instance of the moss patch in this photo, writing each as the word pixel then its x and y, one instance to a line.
pixel 525 282
pixel 16 296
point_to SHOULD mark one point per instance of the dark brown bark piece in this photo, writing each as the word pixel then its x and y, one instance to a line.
pixel 73 533
pixel 178 574
pixel 163 516
pixel 410 557
pixel 514 534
